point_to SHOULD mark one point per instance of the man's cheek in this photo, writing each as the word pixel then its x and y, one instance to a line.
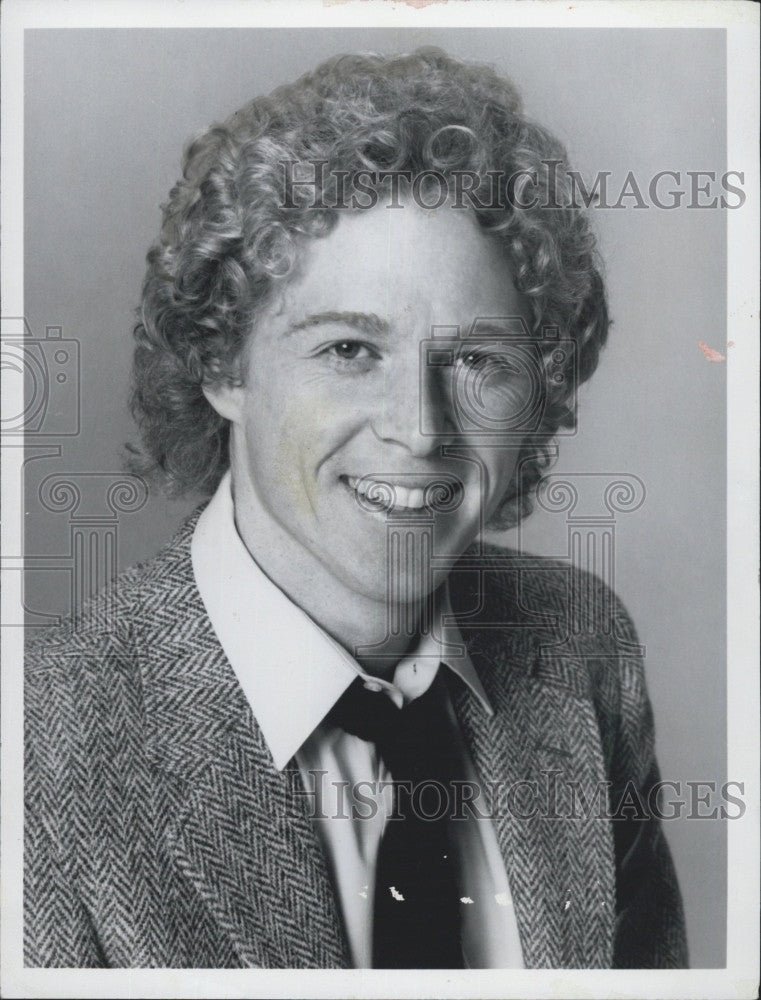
pixel 271 451
pixel 294 453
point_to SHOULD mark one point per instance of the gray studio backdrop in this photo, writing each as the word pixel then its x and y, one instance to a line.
pixel 107 114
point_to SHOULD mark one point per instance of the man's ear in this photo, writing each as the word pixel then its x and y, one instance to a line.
pixel 226 398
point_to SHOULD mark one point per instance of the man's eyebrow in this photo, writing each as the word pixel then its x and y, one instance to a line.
pixel 367 323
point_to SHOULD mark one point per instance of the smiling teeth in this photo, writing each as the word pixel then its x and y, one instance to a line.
pixel 387 496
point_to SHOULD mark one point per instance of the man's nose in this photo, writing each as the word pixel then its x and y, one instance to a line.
pixel 417 412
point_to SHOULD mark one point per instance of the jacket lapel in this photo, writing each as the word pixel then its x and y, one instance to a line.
pixel 542 739
pixel 238 829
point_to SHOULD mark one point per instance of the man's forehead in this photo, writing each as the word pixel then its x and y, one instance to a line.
pixel 379 270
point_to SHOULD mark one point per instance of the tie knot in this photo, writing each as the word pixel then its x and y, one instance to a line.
pixel 412 740
pixel 367 712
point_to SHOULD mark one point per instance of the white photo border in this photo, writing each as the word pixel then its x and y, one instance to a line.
pixel 740 977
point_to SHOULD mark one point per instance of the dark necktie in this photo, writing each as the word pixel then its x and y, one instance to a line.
pixel 416 917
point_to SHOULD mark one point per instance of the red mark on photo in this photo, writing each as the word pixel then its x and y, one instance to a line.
pixel 709 353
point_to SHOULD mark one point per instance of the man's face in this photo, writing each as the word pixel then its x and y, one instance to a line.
pixel 337 411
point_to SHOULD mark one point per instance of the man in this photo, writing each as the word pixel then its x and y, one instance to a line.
pixel 328 726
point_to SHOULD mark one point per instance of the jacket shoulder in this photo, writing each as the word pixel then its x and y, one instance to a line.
pixel 83 684
pixel 547 596
pixel 552 621
pixel 109 620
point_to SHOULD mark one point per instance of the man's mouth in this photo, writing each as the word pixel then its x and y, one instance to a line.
pixel 421 492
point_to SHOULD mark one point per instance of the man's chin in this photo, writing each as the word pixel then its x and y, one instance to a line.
pixel 401 568
pixel 398 590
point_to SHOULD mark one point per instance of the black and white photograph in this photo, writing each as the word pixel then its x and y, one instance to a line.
pixel 380 499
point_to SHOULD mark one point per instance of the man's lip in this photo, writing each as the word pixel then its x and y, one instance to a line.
pixel 438 492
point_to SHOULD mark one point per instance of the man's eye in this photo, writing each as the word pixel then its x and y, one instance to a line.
pixel 492 361
pixel 475 357
pixel 350 350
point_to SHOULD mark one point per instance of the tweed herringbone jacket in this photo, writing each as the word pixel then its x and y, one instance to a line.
pixel 160 834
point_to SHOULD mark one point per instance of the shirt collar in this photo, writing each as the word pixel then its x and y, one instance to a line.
pixel 291 671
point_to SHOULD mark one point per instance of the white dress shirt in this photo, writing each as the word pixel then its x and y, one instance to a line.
pixel 292 673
